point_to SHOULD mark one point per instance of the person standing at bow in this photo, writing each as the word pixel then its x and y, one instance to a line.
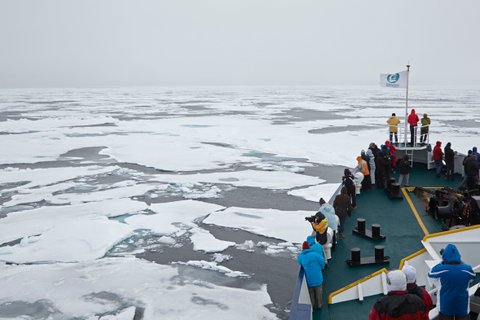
pixel 438 158
pixel 455 277
pixel 424 129
pixel 393 123
pixel 312 263
pixel 413 122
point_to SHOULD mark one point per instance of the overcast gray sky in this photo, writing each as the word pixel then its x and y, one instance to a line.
pixel 236 42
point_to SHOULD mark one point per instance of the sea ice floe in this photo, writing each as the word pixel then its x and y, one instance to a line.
pixel 33 222
pixel 48 176
pixel 172 216
pixel 285 225
pixel 247 178
pixel 87 238
pixel 212 265
pixel 248 245
pixel 126 314
pixel 189 190
pixel 219 257
pixel 74 289
pixel 314 193
pixel 100 195
pixel 204 241
pixel 62 193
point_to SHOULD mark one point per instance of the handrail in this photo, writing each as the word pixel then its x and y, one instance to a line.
pixel 353 284
pixel 442 233
pixel 409 257
pixel 299 311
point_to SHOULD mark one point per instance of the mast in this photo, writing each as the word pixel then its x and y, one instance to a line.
pixel 406 106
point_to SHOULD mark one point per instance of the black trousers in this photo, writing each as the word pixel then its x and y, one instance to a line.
pixel 413 134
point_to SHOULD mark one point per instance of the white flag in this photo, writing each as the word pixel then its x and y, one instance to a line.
pixel 394 80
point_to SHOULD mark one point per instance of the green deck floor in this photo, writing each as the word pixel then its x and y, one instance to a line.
pixel 403 236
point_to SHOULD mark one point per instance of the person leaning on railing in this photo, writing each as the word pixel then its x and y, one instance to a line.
pixel 312 263
pixel 320 225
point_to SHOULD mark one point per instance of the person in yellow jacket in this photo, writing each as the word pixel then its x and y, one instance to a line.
pixel 393 123
pixel 424 129
pixel 320 225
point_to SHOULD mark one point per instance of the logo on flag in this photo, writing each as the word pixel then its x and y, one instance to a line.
pixel 394 80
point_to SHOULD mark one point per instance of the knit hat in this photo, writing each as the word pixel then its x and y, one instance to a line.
pixel 305 245
pixel 396 281
pixel 410 273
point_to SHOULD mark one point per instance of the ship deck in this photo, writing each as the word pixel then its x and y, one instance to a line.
pixel 402 228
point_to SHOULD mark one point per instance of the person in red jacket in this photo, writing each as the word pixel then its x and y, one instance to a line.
pixel 411 274
pixel 393 154
pixel 398 304
pixel 413 122
pixel 438 157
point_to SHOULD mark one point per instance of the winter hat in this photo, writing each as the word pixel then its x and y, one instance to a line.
pixel 425 115
pixel 410 273
pixel 322 201
pixel 396 281
pixel 413 110
pixel 305 245
pixel 474 149
pixel 439 143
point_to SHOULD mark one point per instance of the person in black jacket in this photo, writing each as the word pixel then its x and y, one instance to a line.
pixel 343 208
pixel 471 170
pixel 403 166
pixel 347 181
pixel 449 161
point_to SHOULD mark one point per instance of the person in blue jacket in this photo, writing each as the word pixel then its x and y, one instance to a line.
pixel 315 246
pixel 312 263
pixel 454 276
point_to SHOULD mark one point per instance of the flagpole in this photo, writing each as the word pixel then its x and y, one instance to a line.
pixel 406 106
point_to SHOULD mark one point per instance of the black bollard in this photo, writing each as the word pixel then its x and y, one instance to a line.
pixel 394 188
pixel 379 253
pixel 356 260
pixel 375 231
pixel 361 225
pixel 355 252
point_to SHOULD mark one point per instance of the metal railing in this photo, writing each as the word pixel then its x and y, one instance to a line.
pixel 405 138
pixel 301 308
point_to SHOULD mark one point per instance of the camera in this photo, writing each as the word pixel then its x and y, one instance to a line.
pixel 310 219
